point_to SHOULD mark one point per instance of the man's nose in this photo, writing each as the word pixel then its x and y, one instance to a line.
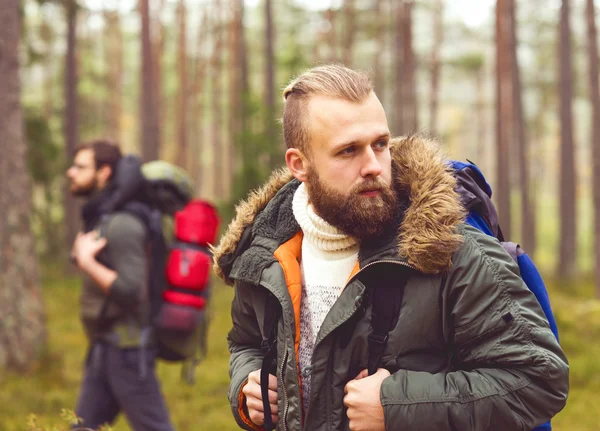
pixel 371 166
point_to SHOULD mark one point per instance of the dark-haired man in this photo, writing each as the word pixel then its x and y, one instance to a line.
pixel 111 253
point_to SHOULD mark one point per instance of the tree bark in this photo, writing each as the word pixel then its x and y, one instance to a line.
pixel 568 190
pixel 378 71
pixel 71 120
pixel 183 156
pixel 409 83
pixel 398 122
pixel 350 18
pixel 198 106
pixel 503 115
pixel 528 226
pixel 114 58
pixel 330 15
pixel 217 142
pixel 592 45
pixel 157 41
pixel 238 85
pixel 270 123
pixel 149 145
pixel 22 326
pixel 438 36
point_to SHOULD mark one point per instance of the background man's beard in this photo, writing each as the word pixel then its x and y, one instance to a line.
pixel 84 192
pixel 358 216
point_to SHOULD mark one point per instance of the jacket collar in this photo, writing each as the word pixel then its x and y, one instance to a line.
pixel 426 238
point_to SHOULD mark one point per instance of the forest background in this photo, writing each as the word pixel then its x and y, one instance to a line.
pixel 511 85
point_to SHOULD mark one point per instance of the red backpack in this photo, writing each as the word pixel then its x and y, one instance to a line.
pixel 181 318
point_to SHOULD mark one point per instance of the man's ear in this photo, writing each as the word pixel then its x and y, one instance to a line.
pixel 104 174
pixel 297 163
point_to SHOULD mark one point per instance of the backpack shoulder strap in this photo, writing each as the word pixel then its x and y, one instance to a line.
pixel 272 312
pixel 386 301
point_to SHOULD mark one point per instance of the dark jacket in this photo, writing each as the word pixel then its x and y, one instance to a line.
pixel 457 361
pixel 127 306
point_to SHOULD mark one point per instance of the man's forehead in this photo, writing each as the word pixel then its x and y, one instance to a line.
pixel 85 156
pixel 346 119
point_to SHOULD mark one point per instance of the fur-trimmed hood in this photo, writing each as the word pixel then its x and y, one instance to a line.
pixel 428 234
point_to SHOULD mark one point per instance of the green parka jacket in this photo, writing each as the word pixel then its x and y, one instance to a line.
pixel 456 363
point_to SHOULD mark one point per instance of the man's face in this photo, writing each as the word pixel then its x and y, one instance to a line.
pixel 83 174
pixel 349 165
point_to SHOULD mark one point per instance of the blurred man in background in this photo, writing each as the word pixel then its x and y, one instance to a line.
pixel 111 253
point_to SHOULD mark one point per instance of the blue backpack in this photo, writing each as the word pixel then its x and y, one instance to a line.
pixel 476 194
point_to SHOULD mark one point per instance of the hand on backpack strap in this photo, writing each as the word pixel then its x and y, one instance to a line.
pixel 365 411
pixel 254 398
pixel 86 247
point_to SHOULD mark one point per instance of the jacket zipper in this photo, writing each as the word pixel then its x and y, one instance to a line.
pixel 285 396
pixel 283 362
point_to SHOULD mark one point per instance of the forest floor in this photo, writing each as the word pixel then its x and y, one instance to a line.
pixel 54 384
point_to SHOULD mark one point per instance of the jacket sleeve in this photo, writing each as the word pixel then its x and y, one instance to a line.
pixel 246 356
pixel 509 371
pixel 126 247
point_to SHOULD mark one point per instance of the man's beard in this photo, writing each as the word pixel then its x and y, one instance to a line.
pixel 361 217
pixel 85 191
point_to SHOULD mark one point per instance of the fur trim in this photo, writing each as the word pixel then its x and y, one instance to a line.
pixel 428 234
pixel 246 211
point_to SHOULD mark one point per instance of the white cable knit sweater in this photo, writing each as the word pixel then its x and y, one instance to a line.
pixel 328 257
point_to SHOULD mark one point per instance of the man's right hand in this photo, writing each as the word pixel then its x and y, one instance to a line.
pixel 254 398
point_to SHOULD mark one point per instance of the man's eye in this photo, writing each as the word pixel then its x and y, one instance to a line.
pixel 381 144
pixel 348 150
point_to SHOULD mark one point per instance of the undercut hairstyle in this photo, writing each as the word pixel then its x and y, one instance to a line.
pixel 106 152
pixel 334 80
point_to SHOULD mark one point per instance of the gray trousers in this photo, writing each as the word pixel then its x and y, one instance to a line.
pixel 124 380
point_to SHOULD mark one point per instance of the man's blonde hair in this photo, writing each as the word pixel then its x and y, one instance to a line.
pixel 332 80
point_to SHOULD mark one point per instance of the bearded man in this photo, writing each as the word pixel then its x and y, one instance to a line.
pixel 351 216
pixel 111 252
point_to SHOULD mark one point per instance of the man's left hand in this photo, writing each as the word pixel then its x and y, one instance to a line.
pixel 365 411
pixel 86 247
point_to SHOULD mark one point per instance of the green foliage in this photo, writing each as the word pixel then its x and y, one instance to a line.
pixel 471 62
pixel 255 151
pixel 43 154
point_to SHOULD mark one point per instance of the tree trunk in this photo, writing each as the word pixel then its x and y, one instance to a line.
pixel 438 35
pixel 157 41
pixel 71 121
pixel 503 115
pixel 378 71
pixel 480 116
pixel 568 232
pixel 238 85
pixel 350 18
pixel 528 228
pixel 149 145
pixel 114 58
pixel 270 123
pixel 331 39
pixel 398 122
pixel 22 326
pixel 409 82
pixel 198 107
pixel 217 142
pixel 590 15
pixel 183 155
